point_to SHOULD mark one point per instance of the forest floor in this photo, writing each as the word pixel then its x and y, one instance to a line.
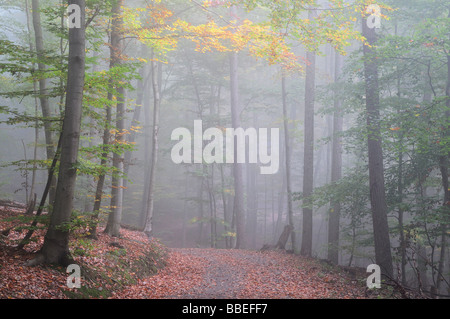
pixel 132 267
pixel 202 273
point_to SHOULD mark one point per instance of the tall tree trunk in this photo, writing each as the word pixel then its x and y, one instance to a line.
pixel 56 242
pixel 134 123
pixel 422 262
pixel 185 211
pixel 281 193
pixel 103 163
pixel 383 256
pixel 252 198
pixel 287 147
pixel 238 208
pixel 147 143
pixel 115 215
pixel 156 69
pixel 36 104
pixel 212 208
pixel 308 168
pixel 45 106
pixel 89 184
pixel 443 163
pixel 336 170
pixel 201 208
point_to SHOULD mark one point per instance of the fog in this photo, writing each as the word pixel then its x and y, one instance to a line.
pixel 207 189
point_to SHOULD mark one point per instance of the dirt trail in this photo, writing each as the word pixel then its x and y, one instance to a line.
pixel 236 274
pixel 225 272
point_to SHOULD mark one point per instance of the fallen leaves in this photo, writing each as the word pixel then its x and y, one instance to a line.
pixel 241 274
pixel 118 268
pixel 105 267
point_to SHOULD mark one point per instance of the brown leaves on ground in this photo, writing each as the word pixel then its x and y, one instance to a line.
pixel 104 267
pixel 121 271
pixel 220 273
pixel 181 274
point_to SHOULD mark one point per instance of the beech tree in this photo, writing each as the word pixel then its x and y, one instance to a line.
pixel 156 69
pixel 56 242
pixel 115 215
pixel 383 256
pixel 43 93
pixel 336 168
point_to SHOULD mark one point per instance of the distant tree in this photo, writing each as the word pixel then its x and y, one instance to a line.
pixel 239 209
pixel 308 161
pixel 156 85
pixel 43 94
pixel 288 152
pixel 336 169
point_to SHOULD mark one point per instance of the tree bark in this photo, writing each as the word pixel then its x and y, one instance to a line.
pixel 103 163
pixel 36 105
pixel 147 149
pixel 156 68
pixel 443 163
pixel 115 215
pixel 45 106
pixel 382 243
pixel 134 123
pixel 56 242
pixel 287 147
pixel 238 208
pixel 308 168
pixel 336 170
pixel 238 168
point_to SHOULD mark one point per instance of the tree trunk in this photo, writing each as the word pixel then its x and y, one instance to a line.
pixel 45 106
pixel 238 168
pixel 382 243
pixel 282 240
pixel 281 193
pixel 36 104
pixel 443 163
pixel 226 220
pixel 422 262
pixel 287 147
pixel 212 208
pixel 336 171
pixel 103 163
pixel 308 168
pixel 252 198
pixel 147 143
pixel 134 123
pixel 288 230
pixel 156 68
pixel 56 242
pixel 115 215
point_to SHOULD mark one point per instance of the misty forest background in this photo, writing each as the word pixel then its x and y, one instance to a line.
pixel 363 116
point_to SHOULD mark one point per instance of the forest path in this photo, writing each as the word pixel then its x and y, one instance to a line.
pixel 199 273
